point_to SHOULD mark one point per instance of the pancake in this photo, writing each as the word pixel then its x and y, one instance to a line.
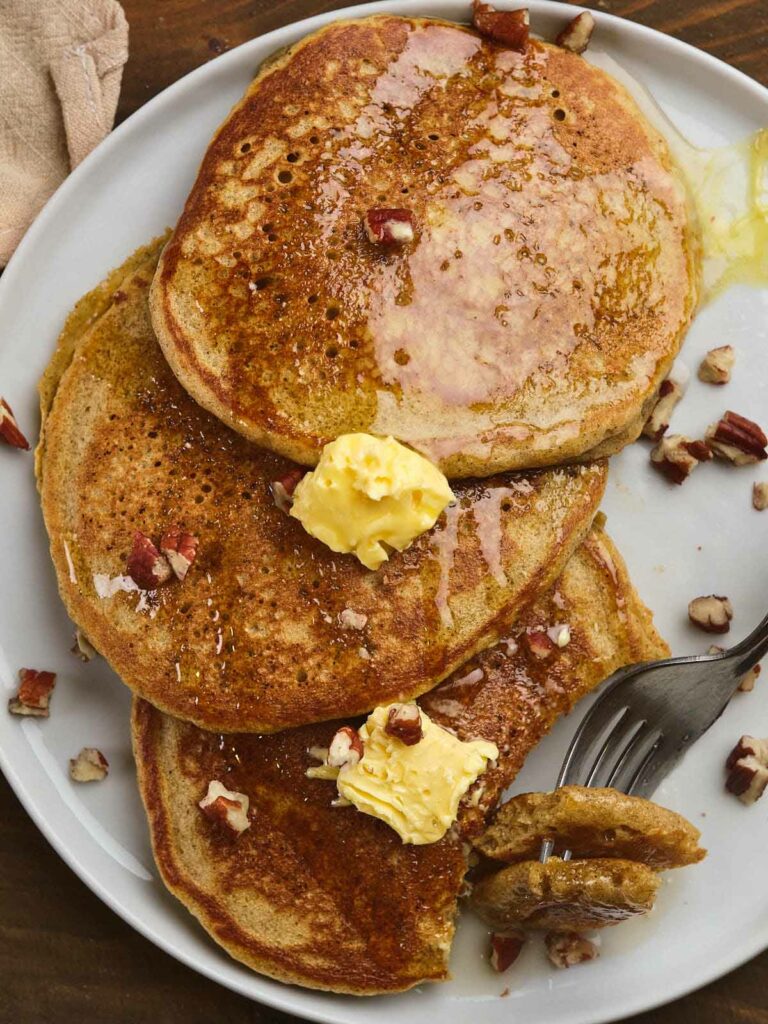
pixel 254 639
pixel 592 823
pixel 565 896
pixel 328 897
pixel 552 275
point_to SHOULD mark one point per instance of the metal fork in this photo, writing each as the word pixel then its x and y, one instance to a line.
pixel 649 714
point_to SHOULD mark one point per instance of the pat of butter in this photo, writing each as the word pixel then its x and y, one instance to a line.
pixel 369 494
pixel 417 789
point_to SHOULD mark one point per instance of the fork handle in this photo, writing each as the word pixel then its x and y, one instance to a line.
pixel 752 648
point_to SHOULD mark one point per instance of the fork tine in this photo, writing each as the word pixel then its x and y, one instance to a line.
pixel 657 765
pixel 617 741
pixel 634 757
pixel 598 724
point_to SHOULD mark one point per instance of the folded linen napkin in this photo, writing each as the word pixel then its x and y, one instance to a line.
pixel 61 62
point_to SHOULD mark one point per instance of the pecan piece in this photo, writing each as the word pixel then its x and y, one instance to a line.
pixel 711 613
pixel 657 423
pixel 508 27
pixel 346 748
pixel 90 765
pixel 350 619
pixel 404 723
pixel 760 495
pixel 387 226
pixel 566 949
pixel 180 548
pixel 9 428
pixel 146 566
pixel 282 489
pixel 716 366
pixel 505 949
pixel 34 694
pixel 748 681
pixel 748 746
pixel 225 808
pixel 577 33
pixel 747 768
pixel 676 456
pixel 737 439
pixel 539 643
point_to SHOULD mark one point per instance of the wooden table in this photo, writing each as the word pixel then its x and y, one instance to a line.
pixel 64 957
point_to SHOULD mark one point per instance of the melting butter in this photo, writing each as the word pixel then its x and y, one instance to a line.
pixel 415 789
pixel 728 188
pixel 370 494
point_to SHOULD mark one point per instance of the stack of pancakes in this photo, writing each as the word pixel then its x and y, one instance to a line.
pixel 516 342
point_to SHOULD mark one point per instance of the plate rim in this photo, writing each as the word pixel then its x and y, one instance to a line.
pixel 293 999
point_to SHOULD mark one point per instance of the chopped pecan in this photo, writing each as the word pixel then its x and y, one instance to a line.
pixel 748 681
pixel 34 694
pixel 389 226
pixel 404 723
pixel 737 439
pixel 146 566
pixel 748 746
pixel 676 456
pixel 9 428
pixel 282 489
pixel 508 27
pixel 577 33
pixel 505 949
pixel 560 635
pixel 346 747
pixel 539 643
pixel 747 768
pixel 180 548
pixel 711 613
pixel 82 646
pixel 657 423
pixel 566 949
pixel 760 495
pixel 226 808
pixel 350 619
pixel 90 765
pixel 716 366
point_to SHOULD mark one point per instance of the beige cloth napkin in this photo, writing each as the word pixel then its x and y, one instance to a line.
pixel 61 62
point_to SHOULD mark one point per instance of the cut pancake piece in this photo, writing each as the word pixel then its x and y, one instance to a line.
pixel 565 895
pixel 548 286
pixel 270 629
pixel 592 823
pixel 328 897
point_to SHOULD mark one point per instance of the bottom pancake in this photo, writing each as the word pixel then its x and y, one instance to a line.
pixel 330 898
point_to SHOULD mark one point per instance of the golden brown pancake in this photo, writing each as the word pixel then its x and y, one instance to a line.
pixel 254 639
pixel 565 896
pixel 326 896
pixel 548 287
pixel 592 823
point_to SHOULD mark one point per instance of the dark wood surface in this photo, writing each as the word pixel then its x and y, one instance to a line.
pixel 64 957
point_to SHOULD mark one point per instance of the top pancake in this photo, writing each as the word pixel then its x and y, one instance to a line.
pixel 254 639
pixel 545 294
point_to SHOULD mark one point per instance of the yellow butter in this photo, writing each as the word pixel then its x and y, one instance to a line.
pixel 369 494
pixel 416 790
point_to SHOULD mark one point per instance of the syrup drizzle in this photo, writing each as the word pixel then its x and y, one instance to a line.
pixel 444 543
pixel 487 513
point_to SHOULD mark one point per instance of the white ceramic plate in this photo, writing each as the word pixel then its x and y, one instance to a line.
pixel 701 538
